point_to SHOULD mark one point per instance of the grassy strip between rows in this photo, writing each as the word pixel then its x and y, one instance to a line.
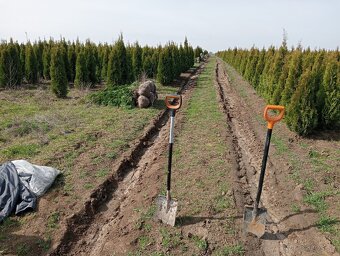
pixel 200 184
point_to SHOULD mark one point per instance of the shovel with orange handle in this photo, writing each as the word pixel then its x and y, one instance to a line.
pixel 254 218
pixel 166 206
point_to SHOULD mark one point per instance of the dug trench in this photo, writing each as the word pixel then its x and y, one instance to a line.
pixel 118 219
pixel 288 233
pixel 87 229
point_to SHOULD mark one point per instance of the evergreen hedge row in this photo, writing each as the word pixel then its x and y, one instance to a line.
pixel 87 64
pixel 305 81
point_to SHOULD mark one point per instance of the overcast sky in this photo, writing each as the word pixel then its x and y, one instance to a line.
pixel 212 24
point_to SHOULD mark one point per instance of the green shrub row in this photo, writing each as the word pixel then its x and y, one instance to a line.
pixel 305 81
pixel 87 64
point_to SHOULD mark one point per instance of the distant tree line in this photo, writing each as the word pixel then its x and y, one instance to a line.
pixel 87 64
pixel 305 81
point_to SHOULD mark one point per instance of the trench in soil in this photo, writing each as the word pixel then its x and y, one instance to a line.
pixel 88 230
pixel 105 202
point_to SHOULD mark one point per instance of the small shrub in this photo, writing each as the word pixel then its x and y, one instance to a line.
pixel 121 96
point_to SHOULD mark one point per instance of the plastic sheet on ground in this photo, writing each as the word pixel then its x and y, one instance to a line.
pixel 20 185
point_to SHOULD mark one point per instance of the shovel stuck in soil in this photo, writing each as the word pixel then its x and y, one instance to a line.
pixel 254 218
pixel 167 207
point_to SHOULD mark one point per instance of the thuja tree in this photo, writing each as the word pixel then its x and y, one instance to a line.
pixel 59 83
pixel 31 68
pixel 305 81
pixel 137 64
pixel 165 66
pixel 331 87
pixel 117 66
pixel 82 77
pixel 302 113
pixel 10 66
pixel 130 75
pixel 46 62
pixel 72 61
pixel 294 73
pixel 87 64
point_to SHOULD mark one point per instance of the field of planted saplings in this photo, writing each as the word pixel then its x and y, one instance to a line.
pixel 125 149
pixel 305 81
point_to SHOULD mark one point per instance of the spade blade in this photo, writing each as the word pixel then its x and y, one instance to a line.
pixel 165 213
pixel 257 225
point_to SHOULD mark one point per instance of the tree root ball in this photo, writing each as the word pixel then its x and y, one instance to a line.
pixel 146 94
pixel 143 101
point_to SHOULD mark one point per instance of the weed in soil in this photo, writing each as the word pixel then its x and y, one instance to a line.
pixel 326 224
pixel 232 250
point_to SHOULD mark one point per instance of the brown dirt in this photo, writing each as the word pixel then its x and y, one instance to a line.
pixel 106 224
pixel 110 222
pixel 288 233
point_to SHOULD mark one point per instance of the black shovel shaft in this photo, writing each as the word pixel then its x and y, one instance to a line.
pixel 172 117
pixel 263 167
pixel 168 182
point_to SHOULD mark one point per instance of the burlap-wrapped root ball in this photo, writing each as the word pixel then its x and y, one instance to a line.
pixel 146 94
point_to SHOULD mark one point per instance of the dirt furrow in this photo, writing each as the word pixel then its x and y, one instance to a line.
pixel 287 233
pixel 105 218
pixel 241 188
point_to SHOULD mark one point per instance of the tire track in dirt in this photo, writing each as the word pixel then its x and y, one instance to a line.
pixel 90 231
pixel 287 234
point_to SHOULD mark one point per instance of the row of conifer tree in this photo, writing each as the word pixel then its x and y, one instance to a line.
pixel 87 64
pixel 305 81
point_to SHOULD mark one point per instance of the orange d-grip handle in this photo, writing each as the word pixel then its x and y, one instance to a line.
pixel 177 100
pixel 273 119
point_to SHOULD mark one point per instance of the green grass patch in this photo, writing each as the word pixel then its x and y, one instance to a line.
pixel 280 145
pixel 45 245
pixel 102 173
pixel 88 186
pixel 201 244
pixel 53 220
pixel 143 242
pixel 20 151
pixel 23 249
pixel 326 224
pixel 317 200
pixel 170 240
pixel 295 208
pixel 232 250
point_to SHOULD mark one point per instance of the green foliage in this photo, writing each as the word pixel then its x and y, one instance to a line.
pixel 137 61
pixel 87 64
pixel 20 151
pixel 117 66
pixel 326 224
pixel 317 200
pixel 294 73
pixel 81 78
pixel 302 113
pixel 165 66
pixel 305 82
pixel 31 66
pixel 121 96
pixel 59 84
pixel 53 220
pixel 331 88
pixel 46 62
pixel 10 66
pixel 72 59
